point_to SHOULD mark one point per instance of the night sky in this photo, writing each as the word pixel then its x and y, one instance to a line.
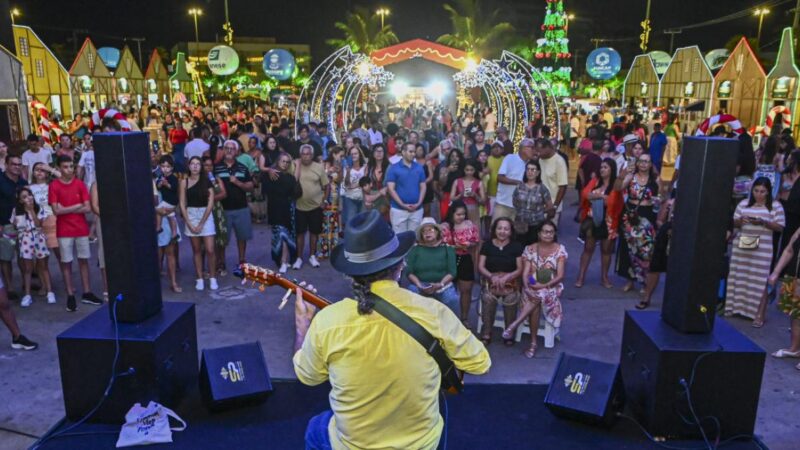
pixel 164 22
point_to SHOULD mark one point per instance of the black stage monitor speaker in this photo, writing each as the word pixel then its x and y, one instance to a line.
pixel 234 376
pixel 157 361
pixel 127 211
pixel 722 371
pixel 585 390
pixel 697 249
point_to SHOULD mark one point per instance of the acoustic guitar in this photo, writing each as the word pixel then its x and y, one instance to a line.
pixel 452 378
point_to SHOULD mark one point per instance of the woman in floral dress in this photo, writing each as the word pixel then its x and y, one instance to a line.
pixel 545 264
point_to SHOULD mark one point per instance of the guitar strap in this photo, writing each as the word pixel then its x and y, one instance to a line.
pixel 421 335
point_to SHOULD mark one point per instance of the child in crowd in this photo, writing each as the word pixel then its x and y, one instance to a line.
pixel 27 217
pixel 167 184
pixel 469 190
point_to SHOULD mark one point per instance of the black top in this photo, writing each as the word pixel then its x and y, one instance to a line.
pixel 8 196
pixel 195 197
pixel 280 197
pixel 237 197
pixel 214 144
pixel 170 194
pixel 504 260
pixel 295 149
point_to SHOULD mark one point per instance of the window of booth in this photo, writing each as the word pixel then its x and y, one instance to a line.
pixel 725 89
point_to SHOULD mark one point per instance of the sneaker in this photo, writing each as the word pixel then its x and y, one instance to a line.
pixel 199 284
pixel 51 298
pixel 26 301
pixel 284 268
pixel 91 299
pixel 72 305
pixel 297 264
pixel 23 343
pixel 313 261
pixel 212 284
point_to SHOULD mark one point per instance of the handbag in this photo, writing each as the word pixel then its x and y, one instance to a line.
pixel 148 425
pixel 747 242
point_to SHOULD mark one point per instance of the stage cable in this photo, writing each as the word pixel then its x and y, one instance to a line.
pixel 63 433
pixel 21 433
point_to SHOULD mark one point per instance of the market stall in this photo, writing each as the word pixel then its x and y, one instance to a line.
pixel 156 80
pixel 782 88
pixel 687 86
pixel 739 86
pixel 181 83
pixel 46 78
pixel 128 80
pixel 90 80
pixel 641 86
pixel 14 117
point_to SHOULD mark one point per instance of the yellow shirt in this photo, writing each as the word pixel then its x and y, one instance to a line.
pixel 384 386
pixel 494 167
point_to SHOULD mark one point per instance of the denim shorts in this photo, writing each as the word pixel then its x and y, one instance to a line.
pixel 239 220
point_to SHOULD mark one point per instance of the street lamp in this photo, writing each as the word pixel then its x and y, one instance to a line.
pixel 760 12
pixel 195 12
pixel 383 12
pixel 14 13
pixel 568 17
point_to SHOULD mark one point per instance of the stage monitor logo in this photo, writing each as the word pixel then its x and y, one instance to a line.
pixel 577 383
pixel 233 372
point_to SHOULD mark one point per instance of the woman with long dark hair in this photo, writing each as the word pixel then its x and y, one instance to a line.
pixel 352 193
pixel 754 220
pixel 640 186
pixel 461 233
pixel 377 167
pixel 789 196
pixel 445 176
pixel 600 210
pixel 197 201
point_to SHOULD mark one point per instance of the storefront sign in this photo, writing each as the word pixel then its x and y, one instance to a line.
pixel 603 63
pixel 223 60
pixel 278 64
pixel 661 61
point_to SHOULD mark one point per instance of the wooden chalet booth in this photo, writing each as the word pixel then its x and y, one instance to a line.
pixel 128 80
pixel 46 78
pixel 156 80
pixel 90 80
pixel 739 86
pixel 782 86
pixel 641 86
pixel 687 87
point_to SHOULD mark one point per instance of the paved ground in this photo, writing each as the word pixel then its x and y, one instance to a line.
pixel 30 389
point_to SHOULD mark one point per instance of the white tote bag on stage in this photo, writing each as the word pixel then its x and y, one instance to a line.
pixel 148 425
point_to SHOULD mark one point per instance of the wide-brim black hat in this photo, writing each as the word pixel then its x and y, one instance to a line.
pixel 370 246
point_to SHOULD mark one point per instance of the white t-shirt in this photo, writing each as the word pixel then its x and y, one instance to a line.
pixel 195 147
pixel 354 193
pixel 375 137
pixel 512 167
pixel 40 195
pixel 554 175
pixel 87 162
pixel 29 158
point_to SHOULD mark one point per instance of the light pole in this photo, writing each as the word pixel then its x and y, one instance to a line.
pixel 14 13
pixel 760 12
pixel 383 12
pixel 195 12
pixel 568 16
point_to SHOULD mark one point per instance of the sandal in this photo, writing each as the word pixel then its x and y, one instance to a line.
pixel 508 335
pixel 784 353
pixel 642 305
pixel 757 323
pixel 177 289
pixel 486 340
pixel 578 284
pixel 531 351
pixel 508 342
pixel 607 284
pixel 628 287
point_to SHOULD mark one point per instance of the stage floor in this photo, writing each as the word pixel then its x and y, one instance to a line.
pixel 487 416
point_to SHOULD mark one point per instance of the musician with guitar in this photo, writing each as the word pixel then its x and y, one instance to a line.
pixel 384 385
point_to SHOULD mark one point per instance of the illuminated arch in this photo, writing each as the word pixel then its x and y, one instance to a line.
pixel 420 48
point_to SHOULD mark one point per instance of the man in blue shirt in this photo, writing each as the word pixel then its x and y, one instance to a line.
pixel 406 182
pixel 658 141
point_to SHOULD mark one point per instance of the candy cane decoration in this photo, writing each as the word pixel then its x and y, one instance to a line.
pixel 97 118
pixel 45 126
pixel 786 118
pixel 724 119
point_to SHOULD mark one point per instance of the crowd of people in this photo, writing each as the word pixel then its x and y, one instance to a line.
pixel 486 211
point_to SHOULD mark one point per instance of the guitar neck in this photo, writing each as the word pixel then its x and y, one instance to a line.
pixel 308 296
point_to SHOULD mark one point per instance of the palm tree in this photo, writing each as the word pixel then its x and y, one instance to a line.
pixel 363 32
pixel 474 30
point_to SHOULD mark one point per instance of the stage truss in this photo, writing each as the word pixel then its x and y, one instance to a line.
pixel 514 89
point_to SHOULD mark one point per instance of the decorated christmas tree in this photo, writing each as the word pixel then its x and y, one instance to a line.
pixel 552 55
